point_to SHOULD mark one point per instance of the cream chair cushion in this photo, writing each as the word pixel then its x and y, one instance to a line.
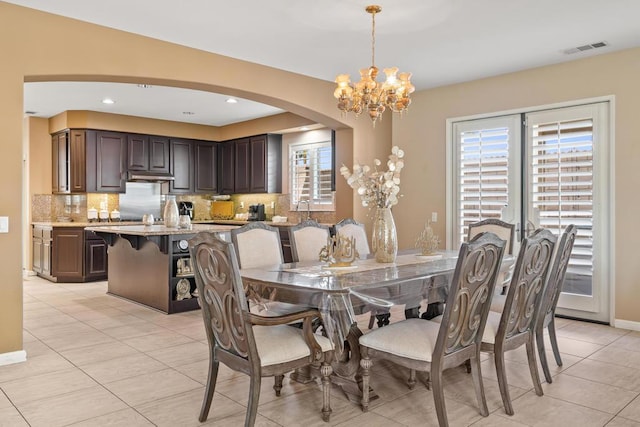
pixel 491 328
pixel 309 242
pixel 258 247
pixel 411 338
pixel 282 343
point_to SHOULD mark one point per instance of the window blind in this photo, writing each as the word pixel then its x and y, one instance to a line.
pixel 483 166
pixel 561 187
pixel 311 173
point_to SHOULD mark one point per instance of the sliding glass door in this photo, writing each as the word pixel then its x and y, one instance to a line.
pixel 541 169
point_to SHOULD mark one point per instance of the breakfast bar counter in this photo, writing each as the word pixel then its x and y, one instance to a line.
pixel 150 265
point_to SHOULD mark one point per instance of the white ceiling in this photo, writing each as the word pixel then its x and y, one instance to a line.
pixel 440 41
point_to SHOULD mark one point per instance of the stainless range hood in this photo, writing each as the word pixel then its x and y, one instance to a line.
pixel 137 176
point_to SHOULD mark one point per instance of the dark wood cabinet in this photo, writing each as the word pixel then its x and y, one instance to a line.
pixel 67 254
pixel 147 153
pixel 111 161
pixel 95 257
pixel 242 166
pixel 206 170
pixel 257 165
pixel 41 250
pixel 182 167
pixel 69 162
pixel 226 167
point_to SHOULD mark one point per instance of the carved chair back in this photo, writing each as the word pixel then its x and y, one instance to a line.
pixel 469 300
pixel 526 290
pixel 351 228
pixel 557 273
pixel 222 296
pixel 502 229
pixel 257 245
pixel 307 239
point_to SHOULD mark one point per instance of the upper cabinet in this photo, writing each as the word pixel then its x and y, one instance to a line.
pixel 111 160
pixel 88 161
pixel 226 167
pixel 182 166
pixel 148 153
pixel 69 162
pixel 257 164
pixel 206 170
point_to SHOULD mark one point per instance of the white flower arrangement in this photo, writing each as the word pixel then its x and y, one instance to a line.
pixel 375 187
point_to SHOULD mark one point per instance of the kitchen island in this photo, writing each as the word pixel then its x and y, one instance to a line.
pixel 151 265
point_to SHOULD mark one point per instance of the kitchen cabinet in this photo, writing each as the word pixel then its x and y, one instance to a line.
pixel 109 149
pixel 41 250
pixel 226 165
pixel 95 257
pixel 68 254
pixel 88 161
pixel 69 162
pixel 182 166
pixel 206 167
pixel 148 153
pixel 258 164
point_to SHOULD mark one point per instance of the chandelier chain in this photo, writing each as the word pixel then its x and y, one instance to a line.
pixel 373 39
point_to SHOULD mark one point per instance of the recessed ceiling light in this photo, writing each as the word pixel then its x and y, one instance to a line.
pixel 108 101
pixel 232 101
pixel 144 86
pixel 188 113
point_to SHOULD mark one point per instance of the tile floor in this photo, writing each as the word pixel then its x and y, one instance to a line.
pixel 96 360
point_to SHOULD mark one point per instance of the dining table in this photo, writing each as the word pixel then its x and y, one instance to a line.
pixel 341 293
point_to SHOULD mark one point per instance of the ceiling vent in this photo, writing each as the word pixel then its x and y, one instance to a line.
pixel 585 47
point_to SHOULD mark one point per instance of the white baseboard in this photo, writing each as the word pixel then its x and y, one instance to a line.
pixel 13 357
pixel 626 324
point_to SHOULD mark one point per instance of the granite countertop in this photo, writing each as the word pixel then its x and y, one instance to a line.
pixel 139 223
pixel 158 230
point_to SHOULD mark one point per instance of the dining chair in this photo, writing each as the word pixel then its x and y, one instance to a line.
pixel 257 245
pixel 307 239
pixel 349 227
pixel 426 345
pixel 546 318
pixel 514 326
pixel 505 231
pixel 245 342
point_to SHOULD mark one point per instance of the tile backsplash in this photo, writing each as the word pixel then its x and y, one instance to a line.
pixel 54 207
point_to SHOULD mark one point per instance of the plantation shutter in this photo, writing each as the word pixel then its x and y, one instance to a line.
pixel 483 175
pixel 561 171
pixel 311 173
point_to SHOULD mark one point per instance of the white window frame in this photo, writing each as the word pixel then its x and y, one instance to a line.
pixel 606 181
pixel 315 204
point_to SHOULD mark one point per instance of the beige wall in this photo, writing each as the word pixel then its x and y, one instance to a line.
pixel 422 135
pixel 36 46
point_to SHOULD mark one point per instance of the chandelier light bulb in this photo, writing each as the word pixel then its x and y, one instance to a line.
pixel 370 95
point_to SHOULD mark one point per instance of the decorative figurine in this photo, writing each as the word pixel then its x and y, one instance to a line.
pixel 427 241
pixel 340 251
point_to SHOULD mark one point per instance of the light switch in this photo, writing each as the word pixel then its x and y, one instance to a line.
pixel 434 216
pixel 4 224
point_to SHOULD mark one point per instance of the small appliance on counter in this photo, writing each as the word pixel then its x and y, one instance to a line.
pixel 256 212
pixel 222 209
pixel 186 208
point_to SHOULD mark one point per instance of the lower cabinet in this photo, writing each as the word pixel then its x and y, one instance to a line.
pixel 41 248
pixel 69 254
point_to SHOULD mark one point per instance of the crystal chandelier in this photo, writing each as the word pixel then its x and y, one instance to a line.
pixel 368 94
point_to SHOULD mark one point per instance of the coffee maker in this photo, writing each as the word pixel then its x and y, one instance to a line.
pixel 256 212
pixel 186 208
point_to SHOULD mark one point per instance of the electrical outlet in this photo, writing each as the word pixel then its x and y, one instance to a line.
pixel 434 216
pixel 241 205
pixel 273 205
